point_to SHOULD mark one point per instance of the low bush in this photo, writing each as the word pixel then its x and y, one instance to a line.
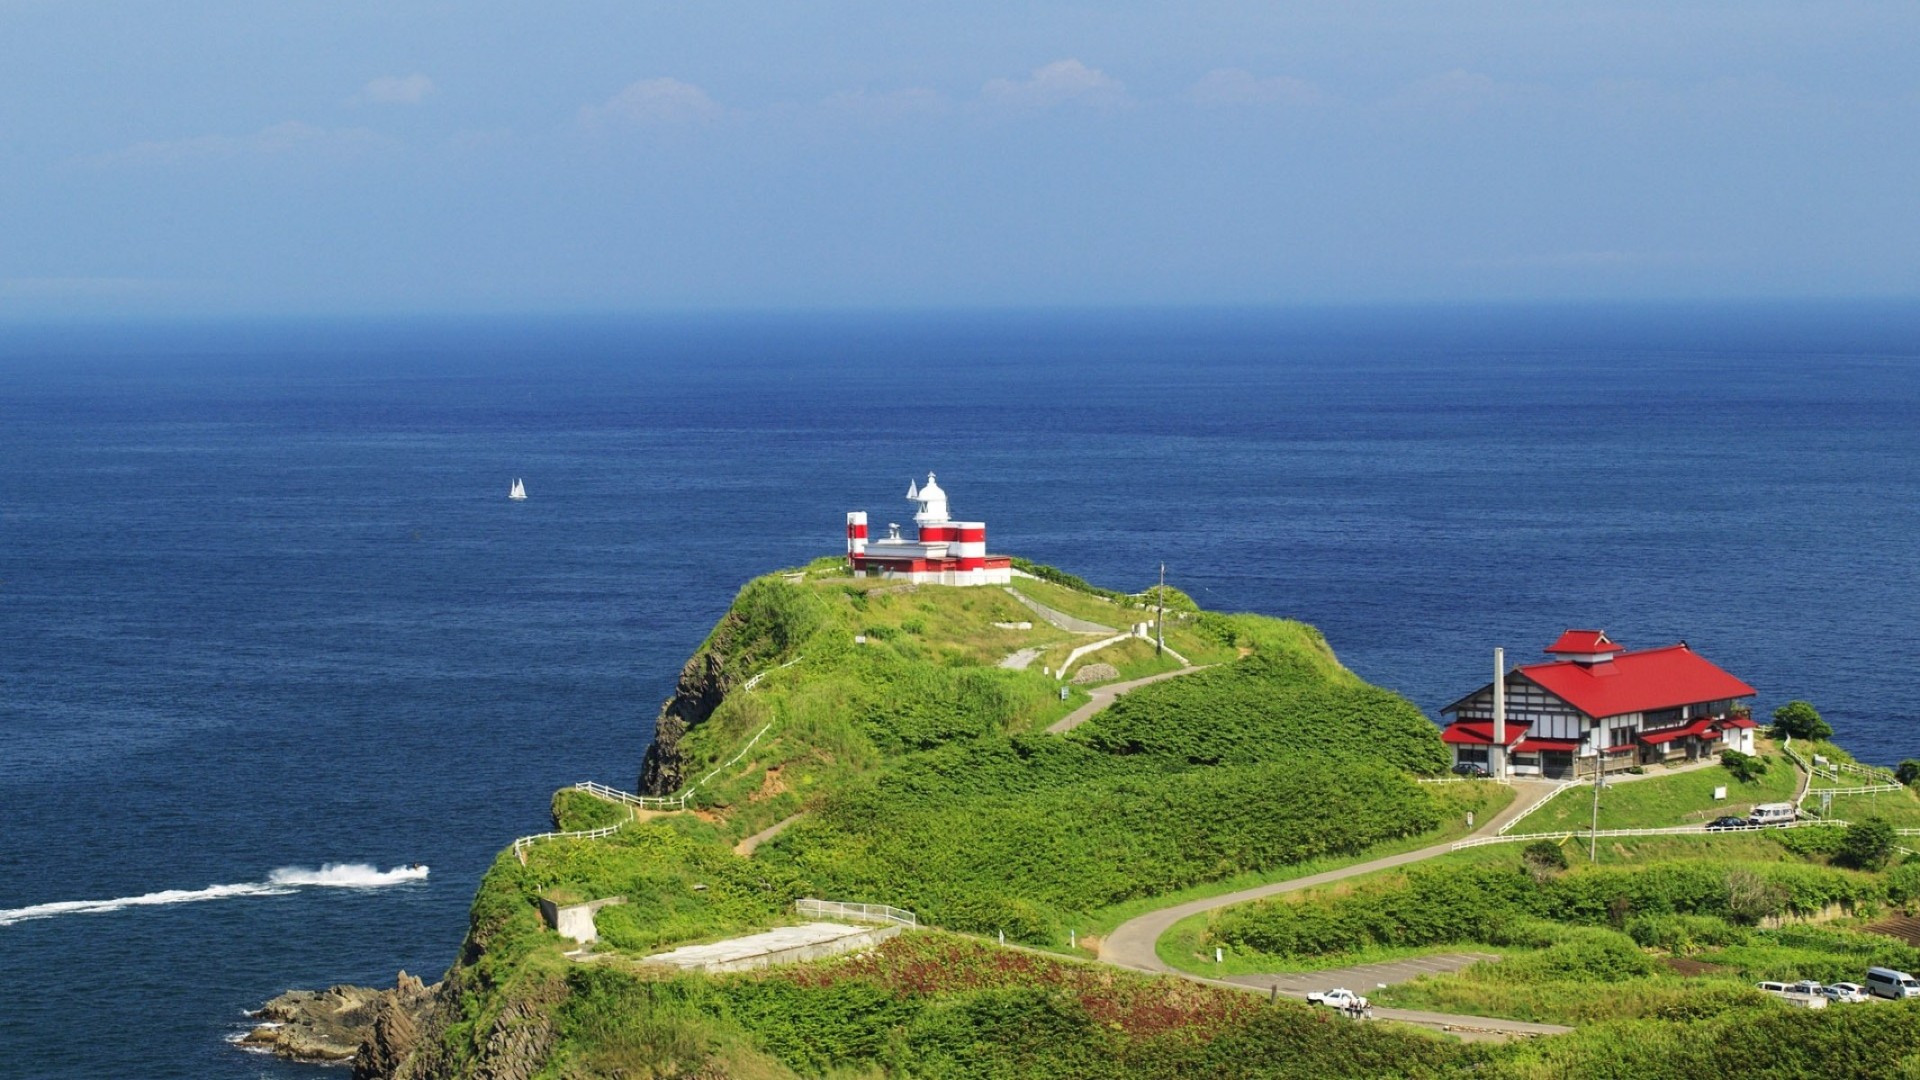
pixel 1264 708
pixel 1867 845
pixel 1746 768
pixel 1684 935
pixel 1436 906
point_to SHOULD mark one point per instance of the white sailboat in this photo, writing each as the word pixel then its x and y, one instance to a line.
pixel 519 490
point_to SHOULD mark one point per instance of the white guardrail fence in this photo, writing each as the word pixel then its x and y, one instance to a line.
pixel 1671 830
pixel 645 802
pixel 875 913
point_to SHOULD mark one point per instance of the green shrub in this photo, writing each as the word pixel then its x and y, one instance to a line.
pixel 1543 858
pixel 1584 956
pixel 1684 935
pixel 574 810
pixel 1746 768
pixel 1908 772
pixel 1800 720
pixel 1868 845
pixel 1264 708
pixel 1489 903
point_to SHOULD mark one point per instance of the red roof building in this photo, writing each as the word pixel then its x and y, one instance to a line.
pixel 1598 704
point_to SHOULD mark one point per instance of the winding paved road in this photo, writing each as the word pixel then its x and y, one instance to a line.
pixel 1132 943
pixel 1103 697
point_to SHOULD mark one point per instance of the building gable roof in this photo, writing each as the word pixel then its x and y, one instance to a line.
pixel 1642 681
pixel 1584 643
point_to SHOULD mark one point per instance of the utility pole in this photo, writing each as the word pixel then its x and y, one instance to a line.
pixel 1160 621
pixel 1593 832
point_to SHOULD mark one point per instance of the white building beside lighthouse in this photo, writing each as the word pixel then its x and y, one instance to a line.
pixel 944 551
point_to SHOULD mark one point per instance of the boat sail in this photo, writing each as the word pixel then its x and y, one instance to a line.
pixel 519 490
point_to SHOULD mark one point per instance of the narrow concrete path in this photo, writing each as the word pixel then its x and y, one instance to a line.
pixel 1020 660
pixel 1133 943
pixel 1061 619
pixel 1103 697
pixel 752 843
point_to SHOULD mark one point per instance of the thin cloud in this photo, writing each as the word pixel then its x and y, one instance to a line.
pixel 660 102
pixel 396 90
pixel 1058 83
pixel 290 139
pixel 1237 86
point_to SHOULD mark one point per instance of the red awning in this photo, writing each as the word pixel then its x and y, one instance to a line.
pixel 1479 733
pixel 1738 722
pixel 1623 748
pixel 1565 746
pixel 1698 727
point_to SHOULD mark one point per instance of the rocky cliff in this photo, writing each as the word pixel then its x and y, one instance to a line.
pixel 375 1029
pixel 703 684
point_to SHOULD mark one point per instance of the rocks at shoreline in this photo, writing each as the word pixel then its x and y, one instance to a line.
pixel 344 1023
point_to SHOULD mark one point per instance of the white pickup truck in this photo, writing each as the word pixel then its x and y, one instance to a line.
pixel 1338 999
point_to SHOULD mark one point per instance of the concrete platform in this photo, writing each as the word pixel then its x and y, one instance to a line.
pixel 787 945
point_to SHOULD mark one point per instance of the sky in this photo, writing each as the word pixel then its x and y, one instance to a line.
pixel 342 157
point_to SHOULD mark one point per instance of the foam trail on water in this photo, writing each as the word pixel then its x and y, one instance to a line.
pixel 287 879
pixel 347 876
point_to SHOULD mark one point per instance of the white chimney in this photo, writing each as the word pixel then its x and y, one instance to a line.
pixel 1498 758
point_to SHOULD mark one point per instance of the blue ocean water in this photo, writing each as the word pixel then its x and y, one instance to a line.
pixel 264 604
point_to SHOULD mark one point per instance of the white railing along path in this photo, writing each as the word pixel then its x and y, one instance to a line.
pixel 1544 800
pixel 836 909
pixel 643 802
pixel 1668 830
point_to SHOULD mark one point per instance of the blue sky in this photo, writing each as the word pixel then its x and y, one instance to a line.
pixel 341 157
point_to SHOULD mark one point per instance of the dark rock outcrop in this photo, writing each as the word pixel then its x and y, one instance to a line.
pixel 703 684
pixel 334 1024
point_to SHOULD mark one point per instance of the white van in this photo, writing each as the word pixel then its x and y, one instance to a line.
pixel 1772 813
pixel 1888 983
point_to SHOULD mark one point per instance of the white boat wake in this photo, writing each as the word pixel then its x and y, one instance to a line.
pixel 287 879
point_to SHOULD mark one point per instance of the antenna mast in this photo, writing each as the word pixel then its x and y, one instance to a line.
pixel 1160 621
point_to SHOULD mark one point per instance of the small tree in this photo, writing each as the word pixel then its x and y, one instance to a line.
pixel 1908 772
pixel 1751 897
pixel 1543 859
pixel 1800 720
pixel 1746 768
pixel 1868 844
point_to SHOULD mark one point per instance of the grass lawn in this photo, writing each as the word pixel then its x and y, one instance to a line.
pixel 1902 808
pixel 1656 801
pixel 1077 604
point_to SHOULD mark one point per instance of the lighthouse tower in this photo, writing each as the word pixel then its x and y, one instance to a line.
pixel 945 552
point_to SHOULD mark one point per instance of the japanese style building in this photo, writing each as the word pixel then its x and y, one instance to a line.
pixel 1597 705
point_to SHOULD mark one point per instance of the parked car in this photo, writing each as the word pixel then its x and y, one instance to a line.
pixel 1338 999
pixel 1806 986
pixel 1846 992
pixel 1888 983
pixel 1721 824
pixel 1773 813
pixel 1795 994
pixel 1468 768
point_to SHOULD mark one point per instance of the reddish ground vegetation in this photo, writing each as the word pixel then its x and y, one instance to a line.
pixel 1139 1006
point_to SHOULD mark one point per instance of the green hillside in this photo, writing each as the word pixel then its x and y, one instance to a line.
pixel 891 735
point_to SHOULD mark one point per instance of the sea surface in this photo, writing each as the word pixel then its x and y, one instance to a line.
pixel 270 629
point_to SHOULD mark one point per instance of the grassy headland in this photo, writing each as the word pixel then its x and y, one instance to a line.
pixel 918 773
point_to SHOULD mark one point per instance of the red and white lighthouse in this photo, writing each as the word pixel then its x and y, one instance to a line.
pixel 945 552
